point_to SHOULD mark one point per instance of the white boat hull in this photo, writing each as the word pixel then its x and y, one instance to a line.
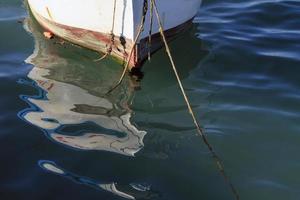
pixel 89 23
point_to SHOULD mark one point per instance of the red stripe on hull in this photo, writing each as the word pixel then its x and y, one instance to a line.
pixel 100 41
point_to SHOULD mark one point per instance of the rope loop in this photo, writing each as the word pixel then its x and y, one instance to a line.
pixel 200 132
pixel 140 30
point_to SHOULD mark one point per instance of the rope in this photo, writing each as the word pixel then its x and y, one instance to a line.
pixel 140 30
pixel 114 17
pixel 150 31
pixel 199 129
pixel 112 35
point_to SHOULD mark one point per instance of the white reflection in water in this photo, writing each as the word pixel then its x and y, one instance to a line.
pixel 110 187
pixel 70 112
pixel 64 104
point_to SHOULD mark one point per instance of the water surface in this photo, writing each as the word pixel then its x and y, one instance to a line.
pixel 62 138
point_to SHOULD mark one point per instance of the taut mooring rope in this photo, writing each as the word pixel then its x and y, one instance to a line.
pixel 199 129
pixel 140 30
pixel 168 51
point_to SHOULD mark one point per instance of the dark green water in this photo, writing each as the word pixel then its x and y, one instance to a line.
pixel 62 138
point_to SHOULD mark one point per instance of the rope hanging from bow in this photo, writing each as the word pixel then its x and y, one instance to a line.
pixel 112 35
pixel 139 31
pixel 201 133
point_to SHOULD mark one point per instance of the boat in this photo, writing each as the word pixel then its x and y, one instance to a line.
pixel 111 26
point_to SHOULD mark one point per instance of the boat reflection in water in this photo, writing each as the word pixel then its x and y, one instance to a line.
pixel 73 110
pixel 70 98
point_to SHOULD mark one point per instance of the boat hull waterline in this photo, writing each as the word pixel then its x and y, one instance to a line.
pixel 89 24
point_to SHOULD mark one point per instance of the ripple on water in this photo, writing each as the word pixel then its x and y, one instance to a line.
pixel 9 13
pixel 271 184
pixel 253 26
pixel 244 88
pixel 12 65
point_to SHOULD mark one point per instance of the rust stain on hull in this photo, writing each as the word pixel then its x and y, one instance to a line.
pixel 99 42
